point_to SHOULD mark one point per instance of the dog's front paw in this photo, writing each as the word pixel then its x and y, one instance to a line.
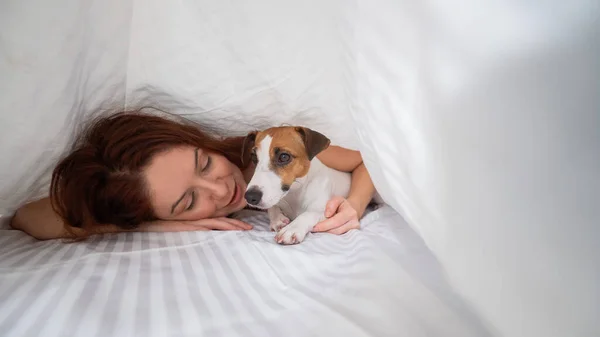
pixel 279 222
pixel 291 234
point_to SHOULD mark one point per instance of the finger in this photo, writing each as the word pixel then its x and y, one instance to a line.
pixel 238 223
pixel 332 206
pixel 333 222
pixel 348 226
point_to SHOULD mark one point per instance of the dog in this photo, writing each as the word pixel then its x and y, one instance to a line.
pixel 289 181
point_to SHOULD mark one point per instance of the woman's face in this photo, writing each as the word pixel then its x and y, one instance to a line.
pixel 187 183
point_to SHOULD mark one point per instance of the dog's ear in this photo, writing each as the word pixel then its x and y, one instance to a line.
pixel 247 147
pixel 314 142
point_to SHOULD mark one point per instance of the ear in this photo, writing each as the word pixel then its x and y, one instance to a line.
pixel 247 147
pixel 314 142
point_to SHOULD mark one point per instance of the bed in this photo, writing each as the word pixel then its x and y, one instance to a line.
pixel 477 121
pixel 377 281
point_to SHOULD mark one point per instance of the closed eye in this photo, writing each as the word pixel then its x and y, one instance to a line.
pixel 208 164
pixel 200 167
pixel 192 202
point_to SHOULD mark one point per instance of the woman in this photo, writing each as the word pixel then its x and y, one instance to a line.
pixel 140 172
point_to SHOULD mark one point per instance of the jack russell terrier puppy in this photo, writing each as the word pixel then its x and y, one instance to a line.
pixel 290 181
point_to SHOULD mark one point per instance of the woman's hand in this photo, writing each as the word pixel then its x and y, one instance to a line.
pixel 223 224
pixel 342 215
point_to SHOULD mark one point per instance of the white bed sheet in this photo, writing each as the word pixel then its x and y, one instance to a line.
pixel 379 281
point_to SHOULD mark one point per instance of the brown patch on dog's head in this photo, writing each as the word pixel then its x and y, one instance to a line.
pixel 290 151
pixel 314 142
pixel 289 159
pixel 300 145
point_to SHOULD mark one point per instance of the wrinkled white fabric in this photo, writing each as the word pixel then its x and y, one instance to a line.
pixel 379 281
pixel 242 66
pixel 479 122
pixel 60 61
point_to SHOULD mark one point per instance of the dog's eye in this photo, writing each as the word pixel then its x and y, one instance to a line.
pixel 284 158
pixel 254 158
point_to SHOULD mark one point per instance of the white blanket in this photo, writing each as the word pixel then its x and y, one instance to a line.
pixel 379 281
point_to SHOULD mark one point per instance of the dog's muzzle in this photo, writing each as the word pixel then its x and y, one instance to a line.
pixel 253 196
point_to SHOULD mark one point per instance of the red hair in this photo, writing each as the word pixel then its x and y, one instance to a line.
pixel 100 181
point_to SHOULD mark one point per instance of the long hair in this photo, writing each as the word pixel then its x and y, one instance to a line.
pixel 100 181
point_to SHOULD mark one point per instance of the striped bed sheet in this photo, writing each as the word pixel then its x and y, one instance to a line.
pixel 377 281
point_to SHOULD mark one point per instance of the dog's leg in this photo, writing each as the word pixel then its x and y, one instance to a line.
pixel 277 219
pixel 297 229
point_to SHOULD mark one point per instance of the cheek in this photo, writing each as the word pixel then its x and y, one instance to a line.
pixel 287 177
pixel 297 169
pixel 209 211
pixel 205 208
pixel 222 166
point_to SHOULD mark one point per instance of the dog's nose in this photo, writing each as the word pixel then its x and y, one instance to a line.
pixel 253 196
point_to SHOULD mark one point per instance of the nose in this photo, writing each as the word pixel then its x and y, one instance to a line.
pixel 253 196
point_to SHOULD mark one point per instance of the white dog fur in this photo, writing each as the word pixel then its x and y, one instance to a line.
pixel 294 213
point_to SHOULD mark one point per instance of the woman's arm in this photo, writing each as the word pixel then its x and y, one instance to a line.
pixel 39 220
pixel 341 159
pixel 361 188
pixel 343 214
